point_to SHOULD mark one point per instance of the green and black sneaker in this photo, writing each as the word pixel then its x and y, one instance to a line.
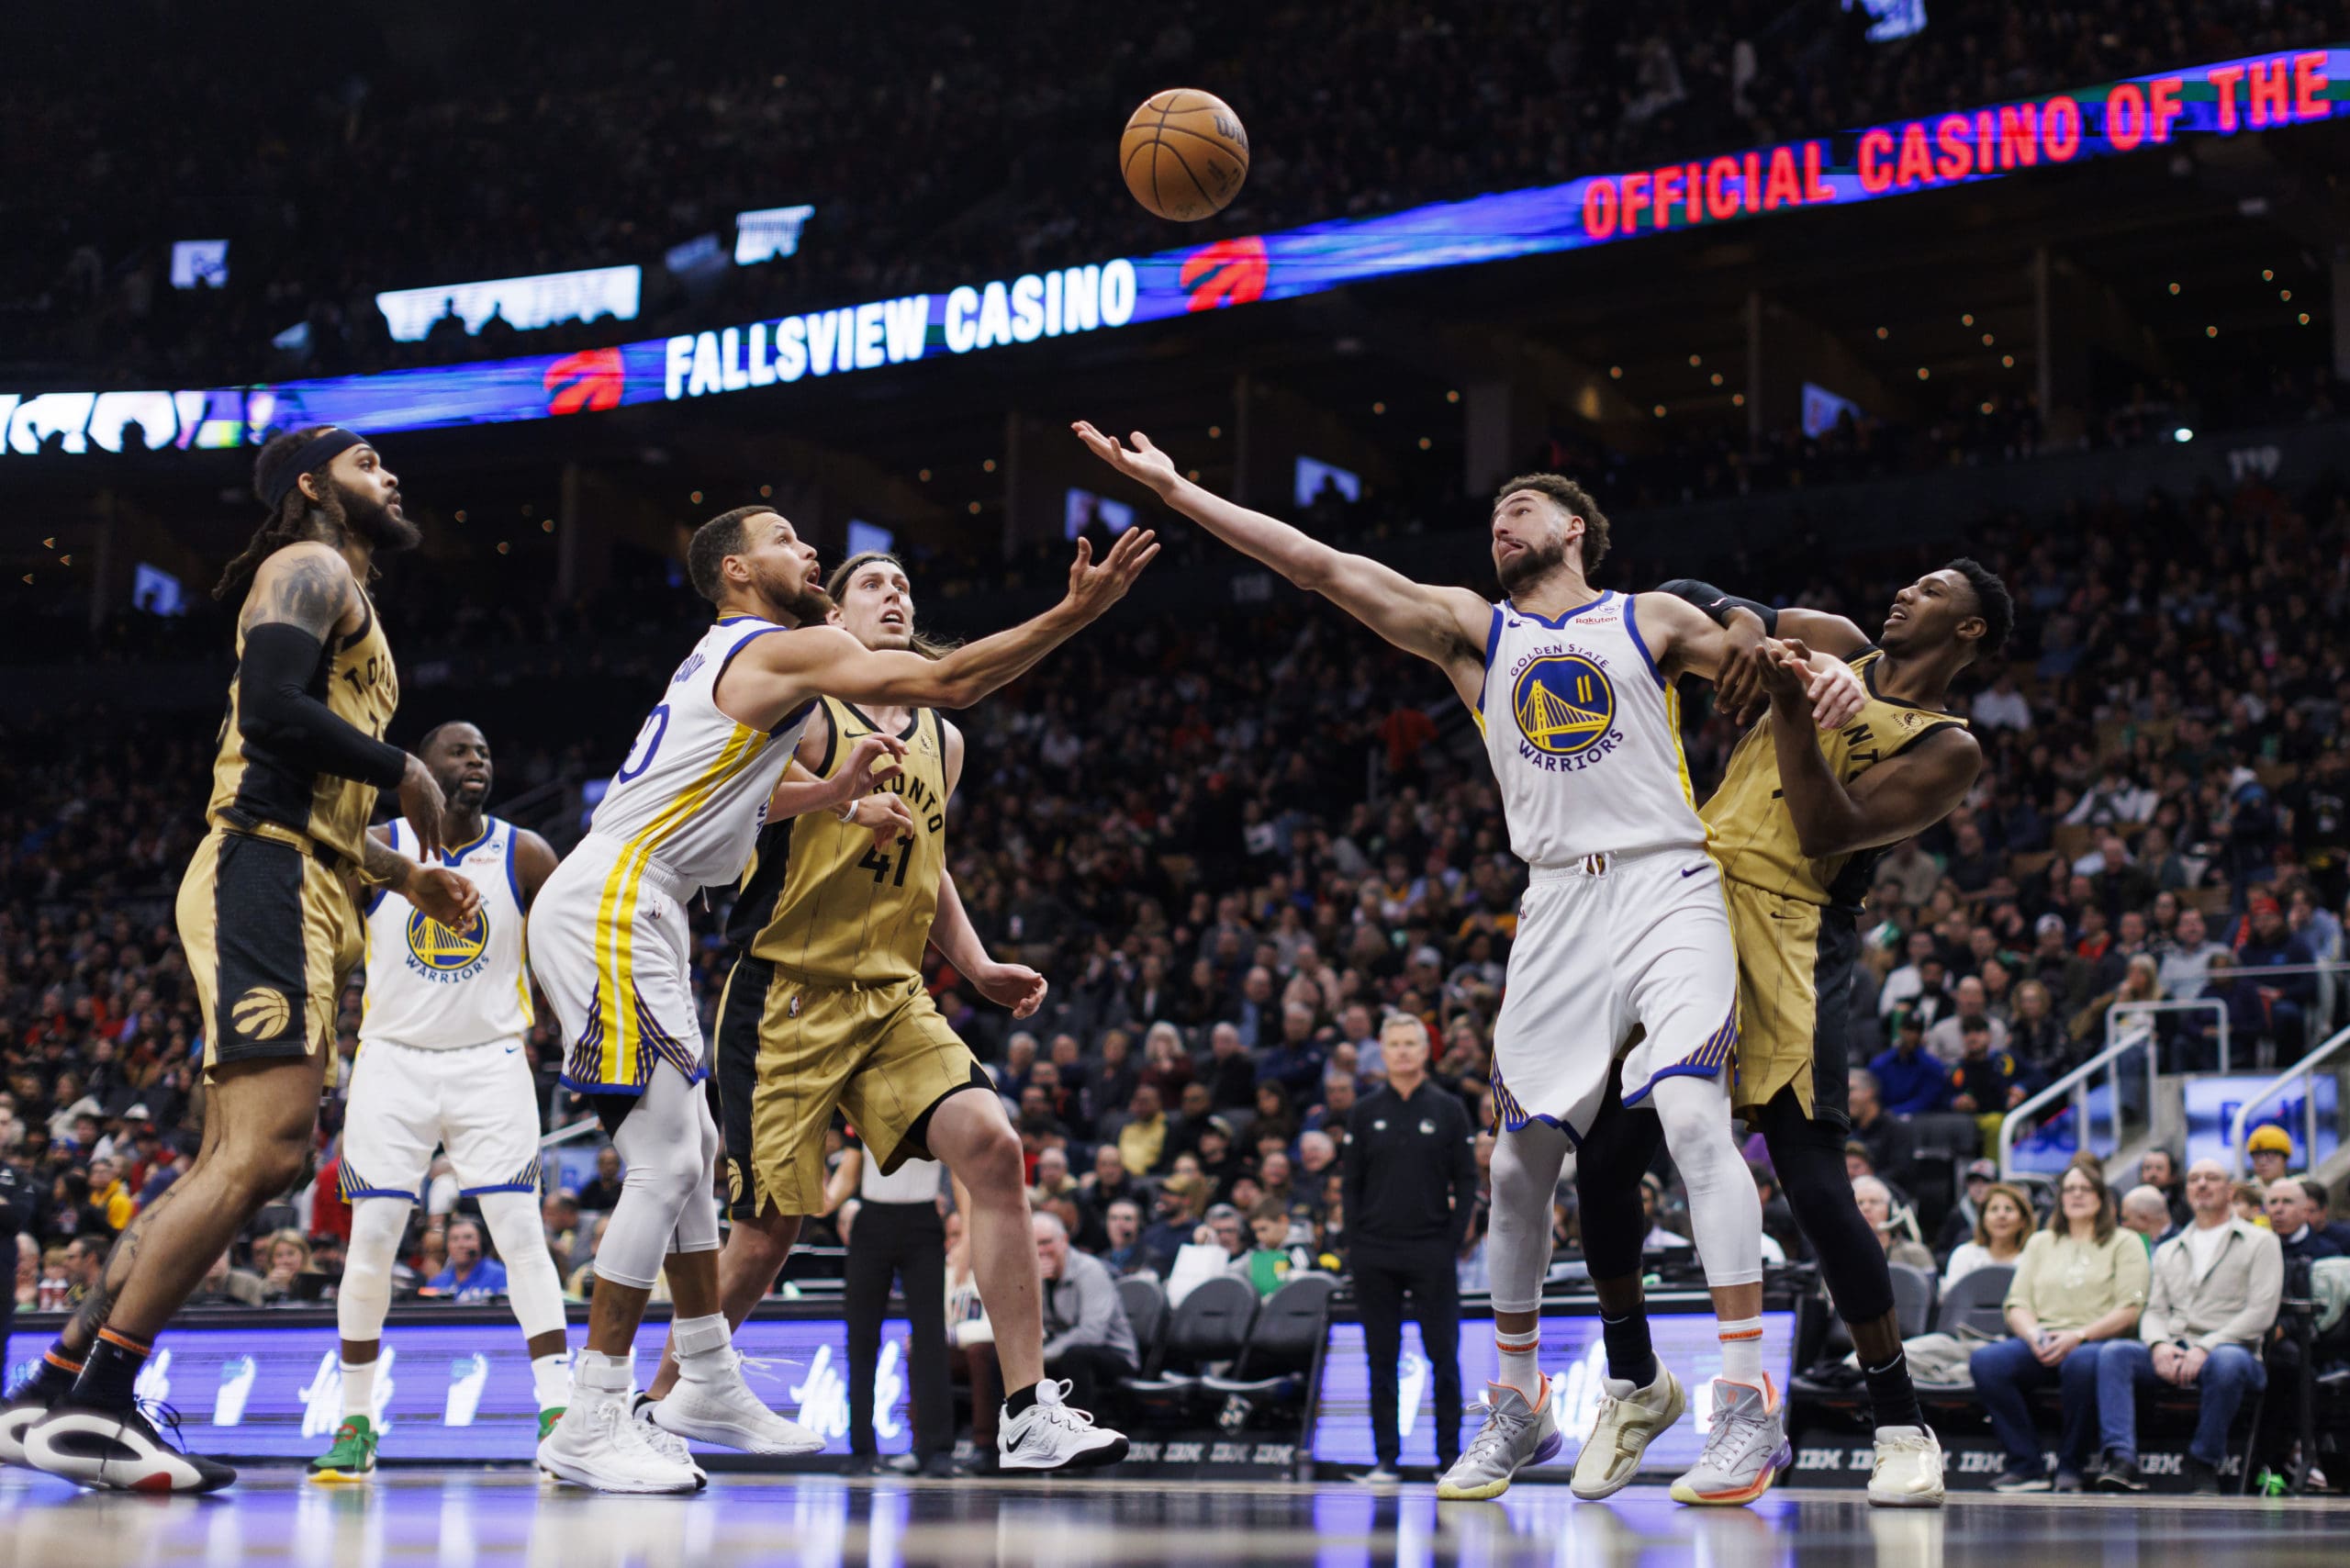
pixel 352 1457
pixel 547 1418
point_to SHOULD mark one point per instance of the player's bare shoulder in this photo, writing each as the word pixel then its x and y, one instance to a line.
pixel 307 585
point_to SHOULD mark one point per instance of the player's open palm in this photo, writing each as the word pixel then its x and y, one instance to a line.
pixel 1015 986
pixel 1093 587
pixel 871 760
pixel 444 895
pixel 887 816
pixel 1143 461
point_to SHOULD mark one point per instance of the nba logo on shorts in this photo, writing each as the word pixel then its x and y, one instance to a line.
pixel 1563 703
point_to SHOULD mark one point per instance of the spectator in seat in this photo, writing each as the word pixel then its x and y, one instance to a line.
pixel 1087 1337
pixel 1181 1199
pixel 1959 1225
pixel 2158 1168
pixel 289 1260
pixel 2002 1229
pixel 1893 1148
pixel 1944 1041
pixel 1892 1225
pixel 2213 1298
pixel 2071 1309
pixel 1910 1081
pixel 1985 1083
pixel 2321 1207
pixel 1231 1075
pixel 2248 1201
pixel 2270 943
pixel 1267 1265
pixel 470 1276
pixel 2269 1149
pixel 601 1194
pixel 2145 1212
pixel 2288 1217
pixel 2036 1036
pixel 1143 1138
pixel 1121 1222
pixel 2186 958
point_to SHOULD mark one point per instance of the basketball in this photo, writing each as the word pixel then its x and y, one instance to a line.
pixel 1185 154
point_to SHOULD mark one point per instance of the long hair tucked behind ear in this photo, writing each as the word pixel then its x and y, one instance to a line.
pixel 283 526
pixel 929 647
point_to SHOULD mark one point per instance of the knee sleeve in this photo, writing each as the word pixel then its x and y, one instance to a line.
pixel 1518 1237
pixel 1810 1161
pixel 531 1281
pixel 1725 1213
pixel 365 1293
pixel 660 1142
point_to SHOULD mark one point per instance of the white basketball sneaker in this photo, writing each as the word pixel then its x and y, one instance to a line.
pixel 1049 1435
pixel 1629 1420
pixel 664 1442
pixel 711 1404
pixel 1909 1473
pixel 598 1444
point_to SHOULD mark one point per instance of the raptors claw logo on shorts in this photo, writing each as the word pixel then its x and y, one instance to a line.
pixel 261 1014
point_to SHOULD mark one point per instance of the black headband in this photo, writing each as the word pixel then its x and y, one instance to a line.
pixel 317 453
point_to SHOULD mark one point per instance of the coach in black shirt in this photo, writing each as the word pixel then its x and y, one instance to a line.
pixel 1411 1189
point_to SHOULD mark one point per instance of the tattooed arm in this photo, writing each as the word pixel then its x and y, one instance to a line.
pixel 304 595
pixel 439 893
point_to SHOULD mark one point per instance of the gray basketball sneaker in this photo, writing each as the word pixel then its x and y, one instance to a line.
pixel 1512 1437
pixel 1746 1448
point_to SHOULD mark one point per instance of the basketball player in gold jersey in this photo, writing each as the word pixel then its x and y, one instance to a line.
pixel 268 915
pixel 1798 824
pixel 825 1008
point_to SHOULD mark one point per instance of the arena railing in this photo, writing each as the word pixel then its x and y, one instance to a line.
pixel 2075 1086
pixel 2119 1013
pixel 2302 1073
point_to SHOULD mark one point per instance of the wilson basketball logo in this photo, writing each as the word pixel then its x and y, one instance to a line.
pixel 439 951
pixel 1564 704
pixel 261 1014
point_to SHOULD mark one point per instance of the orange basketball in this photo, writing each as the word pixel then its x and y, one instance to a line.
pixel 1185 154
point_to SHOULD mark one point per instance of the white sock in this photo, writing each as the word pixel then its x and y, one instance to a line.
pixel 598 1376
pixel 1742 1353
pixel 1520 1368
pixel 551 1380
pixel 699 1344
pixel 358 1389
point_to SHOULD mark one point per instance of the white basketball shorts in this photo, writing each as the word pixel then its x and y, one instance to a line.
pixel 478 1101
pixel 609 946
pixel 1611 943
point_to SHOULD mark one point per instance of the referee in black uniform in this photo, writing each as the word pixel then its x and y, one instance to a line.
pixel 1411 1189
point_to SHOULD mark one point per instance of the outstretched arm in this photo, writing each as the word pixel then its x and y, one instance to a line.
pixel 775 675
pixel 1885 804
pixel 1685 641
pixel 1446 626
pixel 1738 686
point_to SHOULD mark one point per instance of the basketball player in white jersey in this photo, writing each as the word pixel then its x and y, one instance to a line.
pixel 609 946
pixel 1623 932
pixel 440 1063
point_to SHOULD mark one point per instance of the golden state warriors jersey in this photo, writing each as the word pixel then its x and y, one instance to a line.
pixel 355 680
pixel 693 789
pixel 1584 735
pixel 822 902
pixel 1754 836
pixel 429 986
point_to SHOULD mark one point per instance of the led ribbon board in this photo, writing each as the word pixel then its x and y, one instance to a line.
pixel 2259 92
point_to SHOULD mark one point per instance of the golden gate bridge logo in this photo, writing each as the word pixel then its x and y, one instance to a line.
pixel 442 951
pixel 1564 704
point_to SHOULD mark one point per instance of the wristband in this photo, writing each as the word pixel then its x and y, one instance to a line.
pixel 847 808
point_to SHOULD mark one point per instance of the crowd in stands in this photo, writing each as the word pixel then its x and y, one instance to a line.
pixel 1243 844
pixel 413 152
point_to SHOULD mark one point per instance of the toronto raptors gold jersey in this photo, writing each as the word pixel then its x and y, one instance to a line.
pixel 1754 835
pixel 821 902
pixel 355 680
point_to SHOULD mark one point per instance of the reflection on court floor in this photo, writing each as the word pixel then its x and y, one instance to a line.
pixel 487 1519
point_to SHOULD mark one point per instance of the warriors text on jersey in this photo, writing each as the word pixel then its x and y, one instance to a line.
pixel 255 790
pixel 1584 735
pixel 437 989
pixel 608 931
pixel 821 900
pixel 1754 835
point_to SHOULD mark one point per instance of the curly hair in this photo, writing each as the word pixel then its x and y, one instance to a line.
pixel 1577 501
pixel 287 523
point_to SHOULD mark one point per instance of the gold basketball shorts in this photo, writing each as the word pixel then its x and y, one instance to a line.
pixel 1795 993
pixel 792 1050
pixel 271 931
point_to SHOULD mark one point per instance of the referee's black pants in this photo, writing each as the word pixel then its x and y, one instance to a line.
pixel 907 1241
pixel 1383 1277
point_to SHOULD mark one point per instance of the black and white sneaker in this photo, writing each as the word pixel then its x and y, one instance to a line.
pixel 120 1450
pixel 16 1418
pixel 1049 1435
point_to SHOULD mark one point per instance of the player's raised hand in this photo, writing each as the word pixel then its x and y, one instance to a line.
pixel 1015 986
pixel 874 757
pixel 1142 462
pixel 887 816
pixel 444 895
pixel 421 804
pixel 1738 690
pixel 1094 588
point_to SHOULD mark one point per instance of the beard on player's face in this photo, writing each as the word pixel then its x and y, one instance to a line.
pixel 787 588
pixel 1531 564
pixel 382 524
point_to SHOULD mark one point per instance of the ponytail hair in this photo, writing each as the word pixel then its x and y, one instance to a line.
pixel 287 521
